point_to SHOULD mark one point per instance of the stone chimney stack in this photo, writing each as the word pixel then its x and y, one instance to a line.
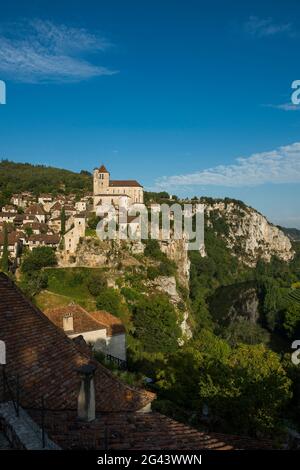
pixel 86 397
pixel 68 324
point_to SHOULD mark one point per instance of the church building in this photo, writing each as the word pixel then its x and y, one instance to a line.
pixel 115 192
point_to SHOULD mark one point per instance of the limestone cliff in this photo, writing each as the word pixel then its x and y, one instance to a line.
pixel 247 233
pixel 176 250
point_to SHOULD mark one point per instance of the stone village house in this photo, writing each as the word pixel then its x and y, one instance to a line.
pixel 103 331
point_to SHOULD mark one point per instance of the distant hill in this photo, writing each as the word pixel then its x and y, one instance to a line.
pixel 16 177
pixel 292 233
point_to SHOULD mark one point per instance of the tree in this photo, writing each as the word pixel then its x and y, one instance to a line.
pixel 110 300
pixel 38 258
pixel 5 257
pixel 96 283
pixel 291 322
pixel 28 231
pixel 244 331
pixel 247 390
pixel 32 283
pixel 63 221
pixel 156 324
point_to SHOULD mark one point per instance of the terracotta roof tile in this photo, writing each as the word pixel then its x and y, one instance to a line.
pixel 139 431
pixel 44 238
pixel 102 169
pixel 125 183
pixel 82 320
pixel 113 324
pixel 35 209
pixel 46 360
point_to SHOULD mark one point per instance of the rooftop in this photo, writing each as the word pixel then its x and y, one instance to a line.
pixel 124 183
pixel 82 320
pixel 102 169
pixel 46 360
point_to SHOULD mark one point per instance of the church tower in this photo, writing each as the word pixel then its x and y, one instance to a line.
pixel 101 180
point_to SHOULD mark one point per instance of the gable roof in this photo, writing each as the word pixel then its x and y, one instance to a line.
pixel 82 320
pixel 47 361
pixel 35 209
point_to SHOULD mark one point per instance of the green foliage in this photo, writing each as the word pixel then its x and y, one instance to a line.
pixel 38 258
pixel 167 268
pixel 28 231
pixel 244 331
pixel 152 250
pixel 17 177
pixel 151 197
pixel 110 300
pixel 153 272
pixel 96 283
pixel 93 221
pixel 292 320
pixel 245 388
pixel 63 221
pixel 155 322
pixel 219 223
pixel 33 283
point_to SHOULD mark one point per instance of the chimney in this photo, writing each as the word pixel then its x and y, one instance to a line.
pixel 86 397
pixel 2 353
pixel 68 324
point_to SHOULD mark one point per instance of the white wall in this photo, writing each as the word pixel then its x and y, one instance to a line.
pixel 114 345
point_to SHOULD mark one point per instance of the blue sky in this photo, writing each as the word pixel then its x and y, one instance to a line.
pixel 189 96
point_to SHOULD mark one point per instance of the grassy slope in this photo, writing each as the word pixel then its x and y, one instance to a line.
pixel 65 286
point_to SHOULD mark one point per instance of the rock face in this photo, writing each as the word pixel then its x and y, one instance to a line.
pixel 168 286
pixel 247 233
pixel 246 306
pixel 176 250
pixel 94 253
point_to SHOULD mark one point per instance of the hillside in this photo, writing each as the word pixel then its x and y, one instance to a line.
pixel 247 233
pixel 292 233
pixel 16 177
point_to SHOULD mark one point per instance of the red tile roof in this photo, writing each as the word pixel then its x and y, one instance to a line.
pixel 124 183
pixel 44 238
pixel 13 237
pixel 82 320
pixel 114 325
pixel 35 209
pixel 102 169
pixel 46 360
pixel 139 431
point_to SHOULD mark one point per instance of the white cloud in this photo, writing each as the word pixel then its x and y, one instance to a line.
pixel 265 27
pixel 277 166
pixel 41 51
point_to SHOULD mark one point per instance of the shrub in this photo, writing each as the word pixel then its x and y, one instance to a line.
pixel 96 283
pixel 109 300
pixel 155 322
pixel 38 258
